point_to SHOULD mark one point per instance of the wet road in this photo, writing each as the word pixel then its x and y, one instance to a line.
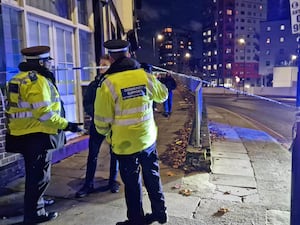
pixel 275 118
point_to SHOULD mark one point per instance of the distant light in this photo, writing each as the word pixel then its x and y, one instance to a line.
pixel 242 41
pixel 187 55
pixel 160 37
pixel 293 57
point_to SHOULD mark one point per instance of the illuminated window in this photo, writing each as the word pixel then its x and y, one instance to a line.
pixel 208 40
pixel 268 28
pixel 228 50
pixel 281 39
pixel 209 53
pixel 215 66
pixel 229 12
pixel 209 32
pixel 168 46
pixel 282 27
pixel 268 41
pixel 228 66
pixel 168 30
pixel 209 67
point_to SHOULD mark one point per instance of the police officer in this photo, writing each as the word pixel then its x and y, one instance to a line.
pixel 128 93
pixel 35 119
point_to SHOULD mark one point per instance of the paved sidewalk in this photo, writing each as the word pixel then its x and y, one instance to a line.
pixel 249 183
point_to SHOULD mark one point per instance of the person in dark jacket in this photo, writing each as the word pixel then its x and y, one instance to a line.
pixel 96 140
pixel 170 83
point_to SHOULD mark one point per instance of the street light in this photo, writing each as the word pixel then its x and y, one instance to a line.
pixel 158 37
pixel 242 42
pixel 187 57
pixel 293 60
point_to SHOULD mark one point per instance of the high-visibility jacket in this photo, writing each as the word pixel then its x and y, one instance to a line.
pixel 33 105
pixel 123 110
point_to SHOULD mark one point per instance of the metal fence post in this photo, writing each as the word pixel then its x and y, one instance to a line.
pixel 198 112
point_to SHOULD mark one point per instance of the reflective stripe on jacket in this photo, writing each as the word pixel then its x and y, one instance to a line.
pixel 33 105
pixel 123 110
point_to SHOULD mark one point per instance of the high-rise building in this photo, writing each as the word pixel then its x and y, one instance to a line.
pixel 175 49
pixel 231 41
pixel 278 48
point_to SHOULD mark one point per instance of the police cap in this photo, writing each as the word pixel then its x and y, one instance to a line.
pixel 36 52
pixel 116 46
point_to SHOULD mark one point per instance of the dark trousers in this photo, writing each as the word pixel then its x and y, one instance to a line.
pixel 37 159
pixel 95 142
pixel 168 104
pixel 130 167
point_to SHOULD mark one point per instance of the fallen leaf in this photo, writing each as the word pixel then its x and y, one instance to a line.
pixel 185 192
pixel 170 174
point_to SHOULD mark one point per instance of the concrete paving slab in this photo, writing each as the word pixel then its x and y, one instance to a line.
pixel 237 191
pixel 84 214
pixel 234 155
pixel 233 147
pixel 200 185
pixel 232 167
pixel 180 206
pixel 238 213
pixel 229 134
pixel 251 198
pixel 277 217
pixel 227 197
pixel 233 180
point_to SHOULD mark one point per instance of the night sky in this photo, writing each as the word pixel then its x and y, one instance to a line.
pixel 158 14
pixel 182 14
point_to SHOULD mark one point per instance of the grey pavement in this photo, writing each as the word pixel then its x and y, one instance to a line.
pixel 249 182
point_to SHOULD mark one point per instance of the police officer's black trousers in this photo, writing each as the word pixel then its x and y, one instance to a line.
pixel 37 167
pixel 130 167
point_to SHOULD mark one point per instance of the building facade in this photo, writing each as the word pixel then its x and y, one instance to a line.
pixel 75 30
pixel 278 48
pixel 231 41
pixel 175 49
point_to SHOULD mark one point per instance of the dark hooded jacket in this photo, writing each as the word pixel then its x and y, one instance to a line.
pixel 123 64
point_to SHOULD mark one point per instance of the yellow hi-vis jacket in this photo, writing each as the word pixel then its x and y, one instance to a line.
pixel 123 110
pixel 33 105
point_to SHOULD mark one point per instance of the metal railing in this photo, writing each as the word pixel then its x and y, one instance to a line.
pixel 194 84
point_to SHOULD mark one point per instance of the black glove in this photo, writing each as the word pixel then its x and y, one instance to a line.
pixel 73 127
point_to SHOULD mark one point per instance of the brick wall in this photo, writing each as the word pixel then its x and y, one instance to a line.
pixel 11 165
